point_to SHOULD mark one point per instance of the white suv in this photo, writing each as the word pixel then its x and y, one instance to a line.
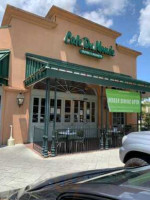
pixel 135 150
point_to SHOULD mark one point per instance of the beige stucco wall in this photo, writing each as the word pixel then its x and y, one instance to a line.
pixel 14 115
pixel 27 37
pixel 5 38
pixel 24 37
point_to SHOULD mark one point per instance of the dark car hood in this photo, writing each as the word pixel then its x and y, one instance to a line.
pixel 52 188
pixel 72 178
pixel 60 181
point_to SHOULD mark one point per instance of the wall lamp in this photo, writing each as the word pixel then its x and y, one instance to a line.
pixel 20 99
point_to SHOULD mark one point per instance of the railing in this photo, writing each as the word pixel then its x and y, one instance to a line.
pixel 87 139
pixel 38 139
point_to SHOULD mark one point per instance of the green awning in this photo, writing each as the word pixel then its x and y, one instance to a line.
pixel 40 67
pixel 4 66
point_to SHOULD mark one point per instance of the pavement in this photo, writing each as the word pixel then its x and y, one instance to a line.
pixel 20 166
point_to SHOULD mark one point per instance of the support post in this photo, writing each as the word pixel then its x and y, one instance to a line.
pixel 137 121
pixel 46 121
pixel 102 134
pixel 106 133
pixel 53 147
pixel 140 110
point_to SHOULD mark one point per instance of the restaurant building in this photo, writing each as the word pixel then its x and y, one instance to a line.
pixel 55 72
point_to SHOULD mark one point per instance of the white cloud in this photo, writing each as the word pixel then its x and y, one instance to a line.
pixel 110 7
pixel 93 1
pixel 105 10
pixel 96 16
pixel 102 15
pixel 144 25
pixel 39 7
pixel 133 39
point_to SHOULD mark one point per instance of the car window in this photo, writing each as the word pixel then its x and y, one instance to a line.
pixel 140 178
pixel 141 181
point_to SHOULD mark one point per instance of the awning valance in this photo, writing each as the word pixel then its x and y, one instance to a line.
pixel 39 68
pixel 4 66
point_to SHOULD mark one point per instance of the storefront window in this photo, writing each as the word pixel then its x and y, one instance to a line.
pixel 87 111
pixel 51 110
pixel 118 119
pixel 42 116
pixel 81 111
pixel 58 117
pixel 93 111
pixel 35 110
pixel 40 106
pixel 67 110
pixel 58 110
pixel 76 110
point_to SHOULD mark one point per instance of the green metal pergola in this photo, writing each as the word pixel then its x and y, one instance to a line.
pixel 39 68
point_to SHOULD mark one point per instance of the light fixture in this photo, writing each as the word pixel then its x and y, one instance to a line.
pixel 68 92
pixel 20 99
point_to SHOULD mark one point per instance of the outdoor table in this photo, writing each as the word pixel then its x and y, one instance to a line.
pixel 67 133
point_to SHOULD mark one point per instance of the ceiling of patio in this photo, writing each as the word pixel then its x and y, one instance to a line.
pixel 66 86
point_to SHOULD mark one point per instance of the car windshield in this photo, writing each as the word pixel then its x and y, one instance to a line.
pixel 139 177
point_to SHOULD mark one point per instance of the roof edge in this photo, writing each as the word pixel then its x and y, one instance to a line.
pixel 127 50
pixel 80 20
pixel 13 12
pixel 4 51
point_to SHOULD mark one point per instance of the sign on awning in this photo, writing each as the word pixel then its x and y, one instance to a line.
pixel 123 101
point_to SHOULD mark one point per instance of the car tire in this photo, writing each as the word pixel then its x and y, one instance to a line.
pixel 136 162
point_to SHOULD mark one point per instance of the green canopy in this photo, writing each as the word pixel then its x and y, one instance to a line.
pixel 40 67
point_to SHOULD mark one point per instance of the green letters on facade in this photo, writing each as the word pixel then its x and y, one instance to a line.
pixel 88 48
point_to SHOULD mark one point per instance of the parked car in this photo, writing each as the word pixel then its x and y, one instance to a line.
pixel 135 150
pixel 106 184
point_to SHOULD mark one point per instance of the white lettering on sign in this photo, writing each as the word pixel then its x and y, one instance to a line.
pixel 123 101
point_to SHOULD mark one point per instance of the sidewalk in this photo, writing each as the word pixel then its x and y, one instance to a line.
pixel 20 166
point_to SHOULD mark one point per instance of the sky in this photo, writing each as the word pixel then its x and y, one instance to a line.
pixel 129 17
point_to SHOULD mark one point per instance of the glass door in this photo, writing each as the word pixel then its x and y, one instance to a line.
pixel 118 120
pixel 79 113
pixel 71 113
pixel 67 111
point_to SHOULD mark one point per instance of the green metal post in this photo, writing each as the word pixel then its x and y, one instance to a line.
pixel 53 147
pixel 140 110
pixel 137 121
pixel 101 139
pixel 47 114
pixel 106 133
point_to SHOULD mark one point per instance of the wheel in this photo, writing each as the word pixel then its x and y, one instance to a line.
pixel 136 162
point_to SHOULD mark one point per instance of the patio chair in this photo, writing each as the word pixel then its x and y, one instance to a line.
pixel 71 140
pixel 109 138
pixel 79 140
pixel 120 136
pixel 61 142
